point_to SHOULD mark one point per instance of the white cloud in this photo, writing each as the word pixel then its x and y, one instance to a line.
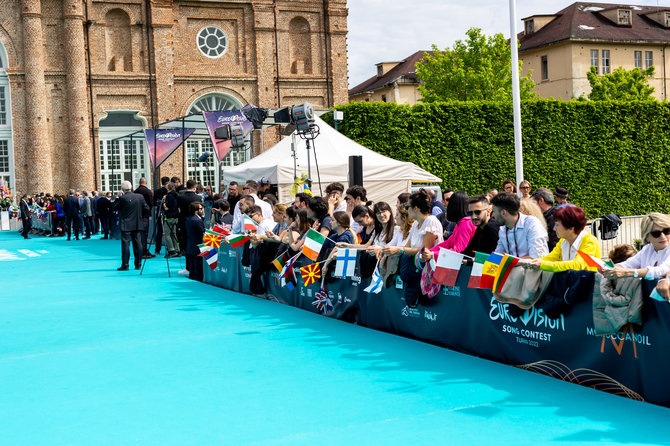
pixel 387 30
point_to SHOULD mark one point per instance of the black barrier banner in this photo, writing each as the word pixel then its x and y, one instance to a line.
pixel 630 363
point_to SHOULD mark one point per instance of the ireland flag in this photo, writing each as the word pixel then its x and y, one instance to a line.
pixel 313 243
pixel 595 262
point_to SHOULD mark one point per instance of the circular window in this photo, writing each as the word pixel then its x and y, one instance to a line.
pixel 212 41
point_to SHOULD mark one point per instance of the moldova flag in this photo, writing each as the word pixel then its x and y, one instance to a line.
pixel 489 270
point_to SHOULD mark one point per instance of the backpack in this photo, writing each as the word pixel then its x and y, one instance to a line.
pixel 609 224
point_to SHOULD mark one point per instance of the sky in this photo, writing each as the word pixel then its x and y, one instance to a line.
pixel 391 30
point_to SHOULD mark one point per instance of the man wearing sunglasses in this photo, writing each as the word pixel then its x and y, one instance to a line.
pixel 485 238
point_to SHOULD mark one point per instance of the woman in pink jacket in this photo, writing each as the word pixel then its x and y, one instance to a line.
pixel 457 212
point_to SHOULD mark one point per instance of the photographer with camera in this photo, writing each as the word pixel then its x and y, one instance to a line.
pixel 170 213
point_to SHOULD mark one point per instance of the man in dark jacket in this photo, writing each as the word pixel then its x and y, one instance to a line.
pixel 545 199
pixel 149 200
pixel 159 194
pixel 71 208
pixel 25 216
pixel 195 230
pixel 184 200
pixel 104 211
pixel 485 238
pixel 131 207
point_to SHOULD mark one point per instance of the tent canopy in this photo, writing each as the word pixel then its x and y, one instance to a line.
pixel 383 177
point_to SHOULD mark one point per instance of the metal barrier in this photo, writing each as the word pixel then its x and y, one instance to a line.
pixel 628 233
pixel 42 223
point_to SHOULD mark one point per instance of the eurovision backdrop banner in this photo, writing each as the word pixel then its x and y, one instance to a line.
pixel 167 141
pixel 630 363
pixel 215 119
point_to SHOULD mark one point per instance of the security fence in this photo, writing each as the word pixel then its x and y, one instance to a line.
pixel 627 233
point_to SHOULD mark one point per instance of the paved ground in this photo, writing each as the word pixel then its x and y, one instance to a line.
pixel 92 356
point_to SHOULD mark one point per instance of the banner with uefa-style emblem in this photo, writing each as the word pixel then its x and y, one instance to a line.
pixel 167 141
pixel 216 119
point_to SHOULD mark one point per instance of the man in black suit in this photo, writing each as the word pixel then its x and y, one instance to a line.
pixel 195 230
pixel 149 200
pixel 104 210
pixel 159 194
pixel 184 200
pixel 130 207
pixel 71 208
pixel 25 216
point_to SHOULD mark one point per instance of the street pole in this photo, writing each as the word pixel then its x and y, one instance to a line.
pixel 516 95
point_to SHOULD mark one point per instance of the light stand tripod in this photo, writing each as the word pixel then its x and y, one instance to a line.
pixel 159 217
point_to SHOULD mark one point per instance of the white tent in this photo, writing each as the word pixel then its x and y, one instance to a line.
pixel 384 178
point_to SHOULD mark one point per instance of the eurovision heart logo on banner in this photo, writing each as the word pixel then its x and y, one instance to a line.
pixel 167 141
pixel 216 119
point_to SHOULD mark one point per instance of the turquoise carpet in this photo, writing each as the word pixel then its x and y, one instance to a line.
pixel 92 356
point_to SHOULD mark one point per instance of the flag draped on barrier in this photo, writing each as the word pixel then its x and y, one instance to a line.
pixel 377 283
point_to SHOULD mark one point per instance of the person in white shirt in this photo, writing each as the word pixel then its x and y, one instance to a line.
pixel 335 197
pixel 250 190
pixel 265 226
pixel 425 233
pixel 653 260
pixel 520 235
pixel 243 204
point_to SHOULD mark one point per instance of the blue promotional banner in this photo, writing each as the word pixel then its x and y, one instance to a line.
pixel 630 363
pixel 167 141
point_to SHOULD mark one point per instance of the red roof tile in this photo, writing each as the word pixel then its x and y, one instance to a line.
pixel 405 68
pixel 584 21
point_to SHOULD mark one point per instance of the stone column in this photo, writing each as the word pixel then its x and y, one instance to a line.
pixel 265 55
pixel 80 150
pixel 38 170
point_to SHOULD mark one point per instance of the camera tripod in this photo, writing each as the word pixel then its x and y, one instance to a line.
pixel 159 219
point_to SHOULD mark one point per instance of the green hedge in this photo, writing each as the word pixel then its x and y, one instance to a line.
pixel 613 157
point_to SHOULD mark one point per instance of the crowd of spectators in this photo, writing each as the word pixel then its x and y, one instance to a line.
pixel 538 226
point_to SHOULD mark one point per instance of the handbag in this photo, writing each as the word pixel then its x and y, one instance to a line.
pixel 429 288
pixel 524 287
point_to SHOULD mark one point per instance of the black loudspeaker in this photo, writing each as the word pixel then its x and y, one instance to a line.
pixel 355 170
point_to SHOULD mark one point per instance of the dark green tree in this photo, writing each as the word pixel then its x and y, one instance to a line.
pixel 478 69
pixel 621 85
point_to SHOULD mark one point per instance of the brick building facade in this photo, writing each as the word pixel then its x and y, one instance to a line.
pixel 58 120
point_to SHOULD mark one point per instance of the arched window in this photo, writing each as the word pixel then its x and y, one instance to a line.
pixel 118 42
pixel 208 173
pixel 6 148
pixel 300 46
pixel 122 159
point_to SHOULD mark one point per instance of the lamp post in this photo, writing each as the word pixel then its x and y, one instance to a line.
pixel 516 95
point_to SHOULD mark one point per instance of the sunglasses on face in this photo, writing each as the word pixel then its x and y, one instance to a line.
pixel 524 187
pixel 477 212
pixel 657 234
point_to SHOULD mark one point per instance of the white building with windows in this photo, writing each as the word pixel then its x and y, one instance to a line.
pixel 561 48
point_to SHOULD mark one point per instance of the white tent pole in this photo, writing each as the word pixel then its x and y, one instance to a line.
pixel 516 95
